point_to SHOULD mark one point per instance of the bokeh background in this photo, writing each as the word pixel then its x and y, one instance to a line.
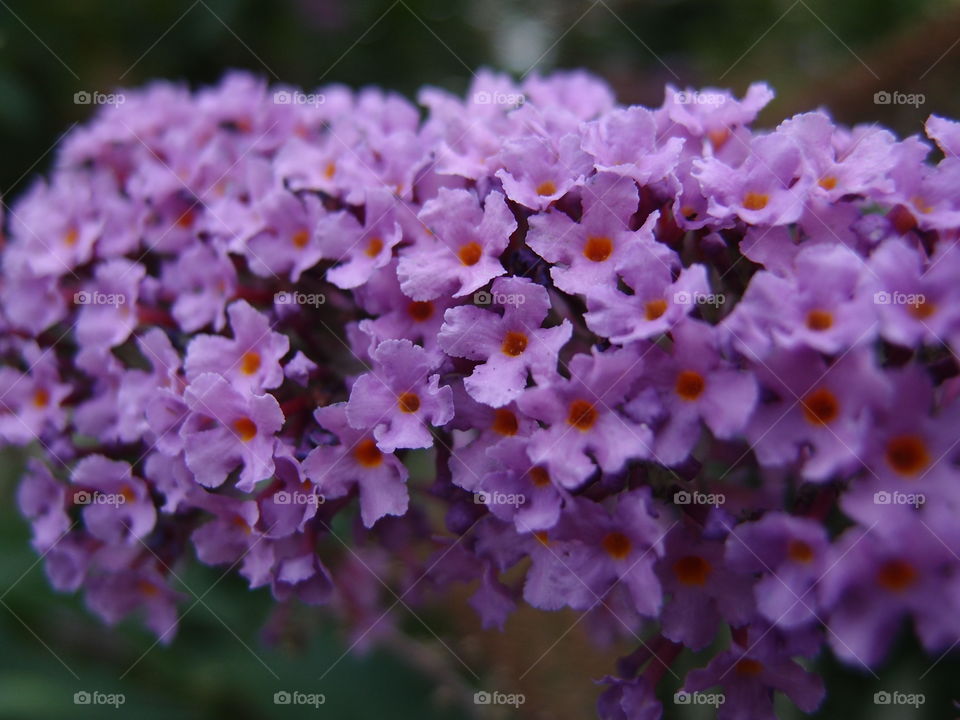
pixel 232 653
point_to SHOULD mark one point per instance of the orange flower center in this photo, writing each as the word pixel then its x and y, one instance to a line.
pixel 922 309
pixel 828 182
pixel 546 188
pixel 408 402
pixel 896 575
pixel 505 422
pixel 374 247
pixel 616 545
pixel 755 200
pixel 582 415
pixel 514 343
pixel 819 320
pixel 692 570
pixel 800 551
pixel 749 667
pixel 821 407
pixel 654 308
pixel 539 476
pixel 250 362
pixel 301 238
pixel 470 253
pixel 70 238
pixel 245 429
pixel 907 454
pixel 367 453
pixel 690 385
pixel 330 170
pixel 41 398
pixel 598 248
pixel 420 310
pixel 186 218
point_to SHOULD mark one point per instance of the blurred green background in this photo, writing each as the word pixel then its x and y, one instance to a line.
pixel 814 53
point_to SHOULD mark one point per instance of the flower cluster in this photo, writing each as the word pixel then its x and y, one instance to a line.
pixel 675 373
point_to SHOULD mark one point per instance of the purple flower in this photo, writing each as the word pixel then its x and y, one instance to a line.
pixel 826 305
pixel 250 360
pixel 750 677
pixel 917 298
pixel 358 462
pixel 368 246
pixel 584 425
pixel 876 577
pixel 43 501
pixel 400 397
pixel 588 254
pixel 108 312
pixel 117 507
pixel 592 550
pixel 656 303
pixel 789 554
pixel 822 414
pixel 538 170
pixel 628 700
pixel 227 429
pixel 461 254
pixel 510 347
pixel 703 589
pixel 627 142
pixel 693 383
pixel 768 188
